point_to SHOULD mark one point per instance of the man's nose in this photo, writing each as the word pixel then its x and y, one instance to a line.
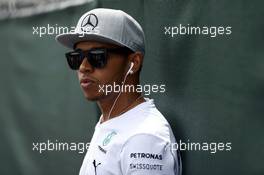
pixel 86 66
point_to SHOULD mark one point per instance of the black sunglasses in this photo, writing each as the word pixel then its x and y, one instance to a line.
pixel 97 57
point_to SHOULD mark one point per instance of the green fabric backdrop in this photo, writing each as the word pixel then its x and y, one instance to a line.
pixel 214 86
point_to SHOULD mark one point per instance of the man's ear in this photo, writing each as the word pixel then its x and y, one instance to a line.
pixel 137 59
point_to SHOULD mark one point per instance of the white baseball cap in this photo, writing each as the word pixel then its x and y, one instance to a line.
pixel 107 26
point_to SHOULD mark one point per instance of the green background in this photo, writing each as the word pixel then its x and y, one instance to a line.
pixel 214 86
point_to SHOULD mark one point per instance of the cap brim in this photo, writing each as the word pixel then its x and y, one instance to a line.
pixel 70 39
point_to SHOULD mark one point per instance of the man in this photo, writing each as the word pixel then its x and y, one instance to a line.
pixel 131 137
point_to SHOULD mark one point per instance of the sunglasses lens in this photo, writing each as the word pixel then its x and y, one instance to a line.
pixel 74 59
pixel 97 58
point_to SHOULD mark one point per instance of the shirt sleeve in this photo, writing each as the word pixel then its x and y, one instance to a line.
pixel 146 154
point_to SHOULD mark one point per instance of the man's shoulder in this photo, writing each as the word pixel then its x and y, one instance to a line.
pixel 150 124
pixel 154 123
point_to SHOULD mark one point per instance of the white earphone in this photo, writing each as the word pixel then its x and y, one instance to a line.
pixel 130 71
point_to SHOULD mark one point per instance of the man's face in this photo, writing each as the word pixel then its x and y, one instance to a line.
pixel 92 78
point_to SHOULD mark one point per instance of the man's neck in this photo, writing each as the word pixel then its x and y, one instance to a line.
pixel 125 102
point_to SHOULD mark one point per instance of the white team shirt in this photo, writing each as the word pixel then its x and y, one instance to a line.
pixel 137 142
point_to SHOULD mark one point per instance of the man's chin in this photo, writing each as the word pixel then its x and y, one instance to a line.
pixel 91 98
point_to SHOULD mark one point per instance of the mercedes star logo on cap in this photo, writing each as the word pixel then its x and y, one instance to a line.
pixel 89 22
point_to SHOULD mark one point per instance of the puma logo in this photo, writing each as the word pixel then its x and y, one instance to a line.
pixel 95 166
